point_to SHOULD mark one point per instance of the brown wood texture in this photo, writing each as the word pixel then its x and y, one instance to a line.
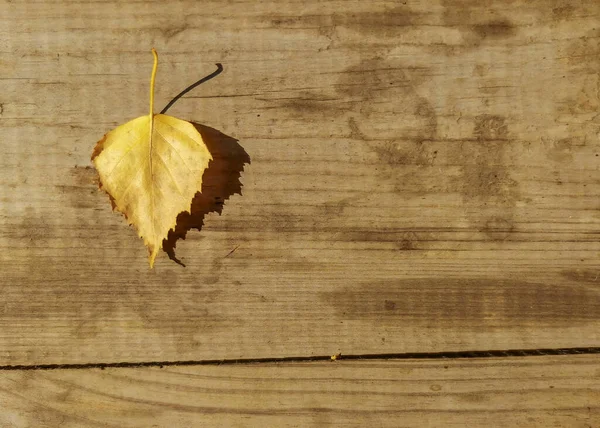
pixel 508 392
pixel 423 176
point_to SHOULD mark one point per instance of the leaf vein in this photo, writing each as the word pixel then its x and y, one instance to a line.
pixel 122 157
pixel 174 149
pixel 166 167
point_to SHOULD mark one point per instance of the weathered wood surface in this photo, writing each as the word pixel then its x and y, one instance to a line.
pixel 508 392
pixel 424 177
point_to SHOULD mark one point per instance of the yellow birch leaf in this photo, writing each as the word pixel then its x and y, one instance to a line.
pixel 151 167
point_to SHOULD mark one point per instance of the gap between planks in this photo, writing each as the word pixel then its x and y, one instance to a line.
pixel 388 356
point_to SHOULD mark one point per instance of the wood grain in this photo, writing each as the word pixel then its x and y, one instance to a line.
pixel 516 392
pixel 424 176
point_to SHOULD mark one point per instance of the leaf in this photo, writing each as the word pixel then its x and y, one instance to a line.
pixel 151 167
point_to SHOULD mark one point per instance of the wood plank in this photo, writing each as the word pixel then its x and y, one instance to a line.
pixel 424 177
pixel 516 392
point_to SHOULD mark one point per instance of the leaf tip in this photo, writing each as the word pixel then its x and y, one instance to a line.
pixel 152 253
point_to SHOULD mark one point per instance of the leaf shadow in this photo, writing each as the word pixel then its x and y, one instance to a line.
pixel 220 181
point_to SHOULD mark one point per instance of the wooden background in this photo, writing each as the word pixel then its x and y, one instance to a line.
pixel 415 176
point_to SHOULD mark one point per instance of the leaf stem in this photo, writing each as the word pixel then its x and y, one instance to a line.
pixel 152 79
